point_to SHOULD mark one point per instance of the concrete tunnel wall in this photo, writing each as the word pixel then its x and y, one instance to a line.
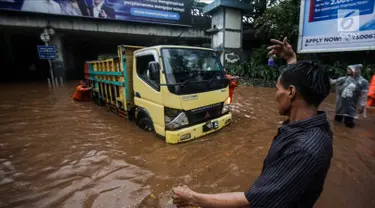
pixel 18 19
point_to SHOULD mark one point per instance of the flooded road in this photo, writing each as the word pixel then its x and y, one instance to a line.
pixel 58 153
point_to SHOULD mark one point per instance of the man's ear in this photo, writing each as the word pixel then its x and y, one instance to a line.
pixel 292 91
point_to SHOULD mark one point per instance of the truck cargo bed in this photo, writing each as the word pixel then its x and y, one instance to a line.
pixel 111 80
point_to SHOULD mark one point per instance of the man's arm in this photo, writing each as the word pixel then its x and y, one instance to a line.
pixel 86 89
pixel 280 184
pixel 184 197
pixel 363 99
pixel 230 200
pixel 283 50
pixel 337 81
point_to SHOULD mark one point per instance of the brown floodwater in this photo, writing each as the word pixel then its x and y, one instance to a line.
pixel 58 153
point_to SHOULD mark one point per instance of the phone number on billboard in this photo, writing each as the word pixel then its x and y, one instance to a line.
pixel 360 37
pixel 367 36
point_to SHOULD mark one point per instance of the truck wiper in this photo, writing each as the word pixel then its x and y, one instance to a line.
pixel 209 81
pixel 185 82
pixel 189 79
pixel 214 77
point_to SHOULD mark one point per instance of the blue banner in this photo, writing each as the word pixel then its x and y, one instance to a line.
pixel 175 12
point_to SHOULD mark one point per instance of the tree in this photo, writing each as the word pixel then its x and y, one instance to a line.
pixel 261 6
pixel 278 21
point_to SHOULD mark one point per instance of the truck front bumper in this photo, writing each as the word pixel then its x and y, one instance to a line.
pixel 196 131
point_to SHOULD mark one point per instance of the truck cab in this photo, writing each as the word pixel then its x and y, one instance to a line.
pixel 180 92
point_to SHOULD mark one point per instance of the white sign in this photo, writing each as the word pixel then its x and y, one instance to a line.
pixel 45 37
pixel 336 25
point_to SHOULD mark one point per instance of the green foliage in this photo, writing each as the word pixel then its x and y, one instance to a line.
pixel 338 69
pixel 255 68
pixel 279 21
pixel 337 63
pixel 369 71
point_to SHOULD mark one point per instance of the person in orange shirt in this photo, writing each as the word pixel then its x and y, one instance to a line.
pixel 233 83
pixel 83 92
pixel 371 93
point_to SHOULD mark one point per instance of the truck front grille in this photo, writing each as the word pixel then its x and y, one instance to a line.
pixel 203 114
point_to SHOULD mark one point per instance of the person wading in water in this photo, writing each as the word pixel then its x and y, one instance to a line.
pixel 351 92
pixel 82 92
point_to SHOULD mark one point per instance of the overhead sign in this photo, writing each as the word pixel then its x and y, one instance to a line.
pixel 336 25
pixel 175 12
pixel 47 52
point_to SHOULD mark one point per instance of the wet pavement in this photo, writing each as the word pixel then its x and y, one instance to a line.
pixel 58 153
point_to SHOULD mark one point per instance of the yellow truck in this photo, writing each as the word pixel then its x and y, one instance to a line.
pixel 179 92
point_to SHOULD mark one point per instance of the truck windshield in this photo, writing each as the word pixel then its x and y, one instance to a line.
pixel 191 71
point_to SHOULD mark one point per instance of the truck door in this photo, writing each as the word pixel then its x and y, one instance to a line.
pixel 147 88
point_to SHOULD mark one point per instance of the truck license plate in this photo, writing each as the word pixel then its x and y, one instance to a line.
pixel 210 125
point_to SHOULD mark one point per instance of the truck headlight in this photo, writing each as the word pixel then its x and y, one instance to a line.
pixel 226 106
pixel 175 119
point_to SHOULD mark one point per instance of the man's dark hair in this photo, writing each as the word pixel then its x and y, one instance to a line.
pixel 310 79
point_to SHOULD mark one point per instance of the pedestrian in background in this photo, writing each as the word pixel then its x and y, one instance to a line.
pixel 233 83
pixel 351 92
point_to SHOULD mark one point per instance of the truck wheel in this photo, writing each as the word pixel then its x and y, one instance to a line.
pixel 131 114
pixel 145 123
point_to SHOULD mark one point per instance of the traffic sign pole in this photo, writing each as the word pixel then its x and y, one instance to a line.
pixel 51 70
pixel 45 37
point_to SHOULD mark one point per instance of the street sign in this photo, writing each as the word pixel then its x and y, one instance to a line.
pixel 47 52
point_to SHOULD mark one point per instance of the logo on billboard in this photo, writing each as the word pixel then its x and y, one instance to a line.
pixel 348 20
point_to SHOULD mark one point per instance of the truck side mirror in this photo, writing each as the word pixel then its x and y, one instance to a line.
pixel 154 69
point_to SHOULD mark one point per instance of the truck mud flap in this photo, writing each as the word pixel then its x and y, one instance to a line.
pixel 122 113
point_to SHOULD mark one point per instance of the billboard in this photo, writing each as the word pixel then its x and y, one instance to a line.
pixel 175 12
pixel 336 25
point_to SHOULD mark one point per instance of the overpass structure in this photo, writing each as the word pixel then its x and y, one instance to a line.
pixel 80 38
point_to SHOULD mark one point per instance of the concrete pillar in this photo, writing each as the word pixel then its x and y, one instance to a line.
pixel 58 63
pixel 226 26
